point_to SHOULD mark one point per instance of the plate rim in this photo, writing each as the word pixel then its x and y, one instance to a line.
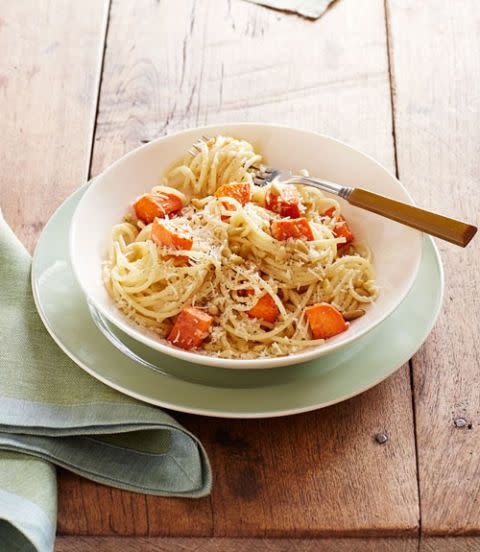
pixel 225 413
pixel 236 414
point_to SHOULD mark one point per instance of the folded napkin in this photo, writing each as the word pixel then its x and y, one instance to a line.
pixel 51 411
pixel 312 9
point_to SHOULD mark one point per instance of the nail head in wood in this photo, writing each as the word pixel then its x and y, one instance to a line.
pixel 381 438
pixel 460 422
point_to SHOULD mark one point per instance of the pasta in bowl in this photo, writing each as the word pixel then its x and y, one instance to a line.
pixel 210 267
pixel 211 261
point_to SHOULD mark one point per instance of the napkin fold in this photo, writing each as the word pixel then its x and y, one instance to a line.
pixel 312 9
pixel 51 411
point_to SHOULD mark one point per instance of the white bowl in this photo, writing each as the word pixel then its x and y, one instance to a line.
pixel 396 249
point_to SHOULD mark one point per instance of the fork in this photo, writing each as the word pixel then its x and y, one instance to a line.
pixel 440 226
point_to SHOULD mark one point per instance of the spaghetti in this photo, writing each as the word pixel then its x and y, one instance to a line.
pixel 264 263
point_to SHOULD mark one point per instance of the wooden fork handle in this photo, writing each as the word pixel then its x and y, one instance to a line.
pixel 451 230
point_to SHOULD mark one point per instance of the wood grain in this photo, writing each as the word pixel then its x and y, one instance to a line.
pixel 171 65
pixel 85 508
pixel 449 544
pixel 112 544
pixel 49 75
pixel 437 117
pixel 316 474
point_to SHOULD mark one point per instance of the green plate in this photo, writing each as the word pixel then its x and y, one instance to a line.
pixel 224 392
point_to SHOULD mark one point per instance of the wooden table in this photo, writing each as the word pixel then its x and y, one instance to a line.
pixel 81 83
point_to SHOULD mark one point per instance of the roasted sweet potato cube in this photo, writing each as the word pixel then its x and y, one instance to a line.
pixel 325 320
pixel 292 228
pixel 238 190
pixel 287 202
pixel 191 327
pixel 341 229
pixel 265 309
pixel 163 235
pixel 150 206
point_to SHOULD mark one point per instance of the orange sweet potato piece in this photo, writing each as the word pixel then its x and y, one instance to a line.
pixel 341 230
pixel 238 190
pixel 149 206
pixel 325 320
pixel 162 235
pixel 265 309
pixel 287 203
pixel 292 228
pixel 329 212
pixel 191 327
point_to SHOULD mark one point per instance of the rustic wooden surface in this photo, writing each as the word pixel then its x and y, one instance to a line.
pixel 82 83
pixel 140 544
pixel 49 79
pixel 156 544
pixel 449 544
pixel 437 121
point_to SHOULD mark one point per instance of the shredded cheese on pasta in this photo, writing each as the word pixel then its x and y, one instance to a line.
pixel 233 251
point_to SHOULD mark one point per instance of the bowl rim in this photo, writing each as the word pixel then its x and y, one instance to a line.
pixel 135 331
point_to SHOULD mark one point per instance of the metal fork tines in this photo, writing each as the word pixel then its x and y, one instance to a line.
pixel 195 148
pixel 265 176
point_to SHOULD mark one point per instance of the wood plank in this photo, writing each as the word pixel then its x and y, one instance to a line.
pixel 234 61
pixel 172 65
pixel 49 75
pixel 437 120
pixel 315 474
pixel 126 544
pixel 86 508
pixel 449 544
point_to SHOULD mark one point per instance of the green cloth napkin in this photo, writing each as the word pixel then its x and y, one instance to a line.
pixel 51 411
pixel 312 9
